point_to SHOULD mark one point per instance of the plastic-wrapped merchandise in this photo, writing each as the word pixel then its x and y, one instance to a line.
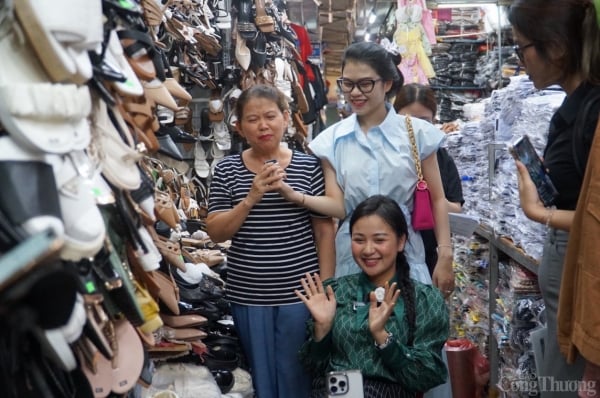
pixel 491 193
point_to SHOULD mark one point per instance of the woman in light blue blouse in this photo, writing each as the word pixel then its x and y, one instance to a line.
pixel 369 153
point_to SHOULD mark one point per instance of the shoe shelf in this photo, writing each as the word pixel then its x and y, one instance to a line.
pixel 500 246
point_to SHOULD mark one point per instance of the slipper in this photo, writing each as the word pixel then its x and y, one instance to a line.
pixel 118 160
pixel 115 57
pixel 129 359
pixel 62 39
pixel 144 197
pixel 43 116
pixel 96 368
pixel 149 307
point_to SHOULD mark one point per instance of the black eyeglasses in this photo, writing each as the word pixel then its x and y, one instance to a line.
pixel 365 86
pixel 519 50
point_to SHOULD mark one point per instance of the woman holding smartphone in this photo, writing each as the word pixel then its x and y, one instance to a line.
pixel 273 242
pixel 557 41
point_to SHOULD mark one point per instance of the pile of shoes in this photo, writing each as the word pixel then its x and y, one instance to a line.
pixel 91 220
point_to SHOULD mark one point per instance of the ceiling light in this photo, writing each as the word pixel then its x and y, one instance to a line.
pixel 372 17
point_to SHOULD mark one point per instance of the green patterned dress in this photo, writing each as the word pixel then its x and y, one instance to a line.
pixel 350 345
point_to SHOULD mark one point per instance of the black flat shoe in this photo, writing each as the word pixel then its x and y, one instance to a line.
pixel 206 309
pixel 168 147
pixel 224 379
pixel 178 135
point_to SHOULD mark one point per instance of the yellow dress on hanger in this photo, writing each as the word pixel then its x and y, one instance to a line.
pixel 414 45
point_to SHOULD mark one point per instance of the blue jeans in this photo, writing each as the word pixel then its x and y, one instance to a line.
pixel 271 338
pixel 555 369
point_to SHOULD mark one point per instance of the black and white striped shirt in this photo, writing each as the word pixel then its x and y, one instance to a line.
pixel 275 246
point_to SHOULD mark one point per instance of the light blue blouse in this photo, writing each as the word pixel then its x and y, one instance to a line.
pixel 379 162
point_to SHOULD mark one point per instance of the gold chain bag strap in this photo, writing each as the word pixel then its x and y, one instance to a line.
pixel 422 214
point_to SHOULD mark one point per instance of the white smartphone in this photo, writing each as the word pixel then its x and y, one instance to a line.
pixel 345 384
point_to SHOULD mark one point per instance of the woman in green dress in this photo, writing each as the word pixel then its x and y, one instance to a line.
pixel 380 321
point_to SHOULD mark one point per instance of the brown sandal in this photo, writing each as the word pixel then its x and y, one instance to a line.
pixel 263 21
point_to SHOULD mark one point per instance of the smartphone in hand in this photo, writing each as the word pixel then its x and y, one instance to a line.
pixel 523 151
pixel 345 384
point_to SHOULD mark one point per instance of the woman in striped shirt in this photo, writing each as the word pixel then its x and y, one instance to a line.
pixel 274 242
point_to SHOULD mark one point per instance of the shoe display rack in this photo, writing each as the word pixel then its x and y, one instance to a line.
pixel 109 131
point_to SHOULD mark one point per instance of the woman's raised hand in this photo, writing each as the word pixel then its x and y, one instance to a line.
pixel 380 310
pixel 320 302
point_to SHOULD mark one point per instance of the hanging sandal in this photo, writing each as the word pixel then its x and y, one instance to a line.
pixel 164 209
pixel 263 21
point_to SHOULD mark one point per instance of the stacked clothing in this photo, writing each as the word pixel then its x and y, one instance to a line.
pixel 510 112
pixel 456 70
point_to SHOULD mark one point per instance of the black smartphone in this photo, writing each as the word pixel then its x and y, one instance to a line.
pixel 523 150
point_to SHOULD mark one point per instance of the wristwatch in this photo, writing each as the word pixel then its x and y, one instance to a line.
pixel 387 342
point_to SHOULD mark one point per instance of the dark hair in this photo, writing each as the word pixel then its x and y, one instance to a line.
pixel 569 27
pixel 378 58
pixel 414 92
pixel 260 91
pixel 391 214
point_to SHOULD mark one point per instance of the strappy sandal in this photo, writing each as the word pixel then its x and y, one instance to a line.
pixel 141 54
pixel 263 21
pixel 141 115
pixel 171 251
pixel 153 16
pixel 180 30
